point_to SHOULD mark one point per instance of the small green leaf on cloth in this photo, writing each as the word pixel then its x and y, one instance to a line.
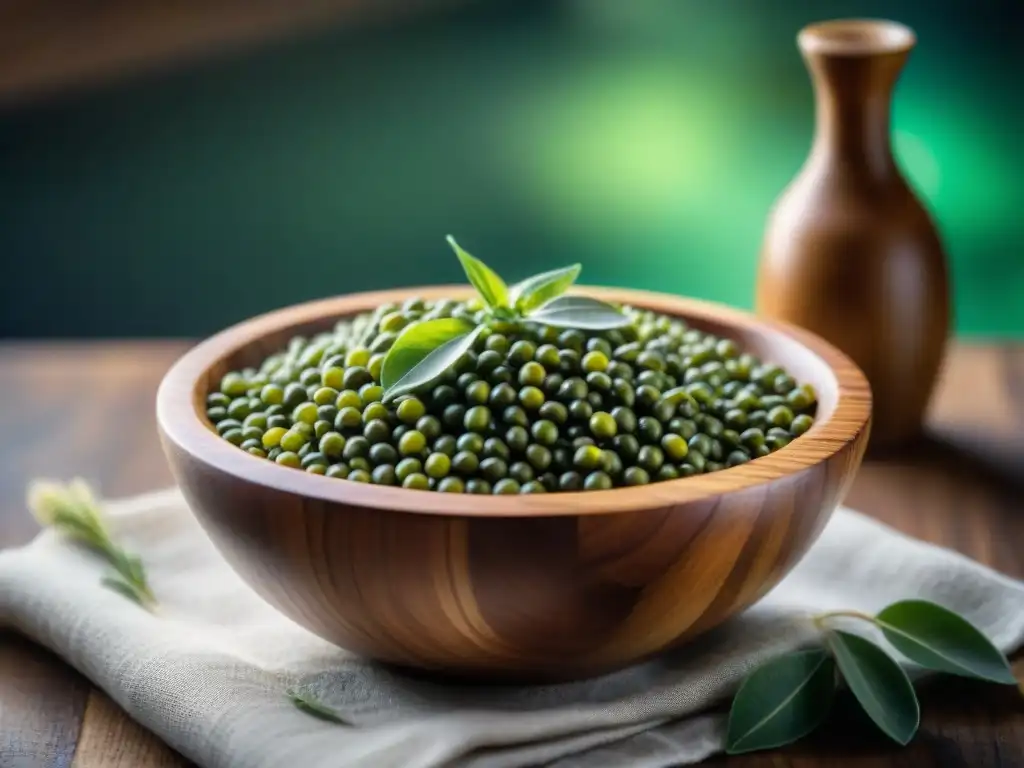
pixel 312 706
pixel 938 639
pixel 781 701
pixel 879 684
pixel 72 510
pixel 129 590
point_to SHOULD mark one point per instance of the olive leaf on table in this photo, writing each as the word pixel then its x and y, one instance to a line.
pixel 787 698
pixel 424 351
pixel 73 510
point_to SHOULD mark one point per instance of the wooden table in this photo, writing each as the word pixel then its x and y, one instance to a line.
pixel 87 409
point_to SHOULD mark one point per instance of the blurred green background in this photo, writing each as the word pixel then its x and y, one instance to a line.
pixel 646 139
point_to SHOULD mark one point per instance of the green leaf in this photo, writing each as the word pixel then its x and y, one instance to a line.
pixel 937 638
pixel 492 289
pixel 781 701
pixel 879 683
pixel 313 707
pixel 423 352
pixel 126 589
pixel 580 312
pixel 540 289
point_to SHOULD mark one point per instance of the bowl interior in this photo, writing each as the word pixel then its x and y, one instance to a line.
pixel 843 403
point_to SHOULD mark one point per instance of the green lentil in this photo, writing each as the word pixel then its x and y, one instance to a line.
pixel 451 485
pixel 292 440
pixel 570 481
pixel 478 392
pixel 521 472
pixel 437 465
pixel 412 443
pixel 675 447
pixel 603 425
pixel 544 432
pixel 478 486
pixel 411 410
pixel 314 457
pixel 503 395
pixel 587 457
pixel 580 410
pixel 465 462
pixel 529 409
pixel 477 418
pixel 384 474
pixel 801 424
pixel 506 486
pixel 429 426
pixel 416 481
pixel 538 456
pixel 339 470
pixel 377 431
pixel 531 398
pixel 532 374
pixel 493 468
pixel 383 453
pixel 597 481
pixel 493 446
pixel 594 361
pixel 289 459
pixel 517 438
pixel 272 437
pixel 636 476
pixel 471 442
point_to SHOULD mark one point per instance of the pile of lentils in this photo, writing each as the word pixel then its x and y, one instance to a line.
pixel 531 409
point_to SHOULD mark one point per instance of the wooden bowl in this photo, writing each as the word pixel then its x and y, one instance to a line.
pixel 555 586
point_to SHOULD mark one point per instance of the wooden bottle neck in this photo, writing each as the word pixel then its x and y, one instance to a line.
pixel 854 66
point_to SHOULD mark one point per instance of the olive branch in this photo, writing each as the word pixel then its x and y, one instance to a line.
pixel 788 697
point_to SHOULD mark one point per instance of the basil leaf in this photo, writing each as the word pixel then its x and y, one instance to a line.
pixel 492 289
pixel 781 701
pixel 540 289
pixel 937 638
pixel 423 352
pixel 580 312
pixel 879 683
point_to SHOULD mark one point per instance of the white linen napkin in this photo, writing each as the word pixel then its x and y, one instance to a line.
pixel 209 672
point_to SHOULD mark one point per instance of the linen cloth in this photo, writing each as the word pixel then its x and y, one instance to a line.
pixel 209 672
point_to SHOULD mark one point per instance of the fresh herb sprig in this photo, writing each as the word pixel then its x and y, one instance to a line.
pixel 788 697
pixel 73 510
pixel 423 351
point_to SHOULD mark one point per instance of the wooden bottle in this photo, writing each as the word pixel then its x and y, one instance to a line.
pixel 849 252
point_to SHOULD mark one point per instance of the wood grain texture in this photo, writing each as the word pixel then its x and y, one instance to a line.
pixel 849 251
pixel 558 585
pixel 961 488
pixel 41 703
pixel 111 740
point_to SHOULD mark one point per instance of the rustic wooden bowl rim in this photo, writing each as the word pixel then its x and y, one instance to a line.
pixel 182 421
